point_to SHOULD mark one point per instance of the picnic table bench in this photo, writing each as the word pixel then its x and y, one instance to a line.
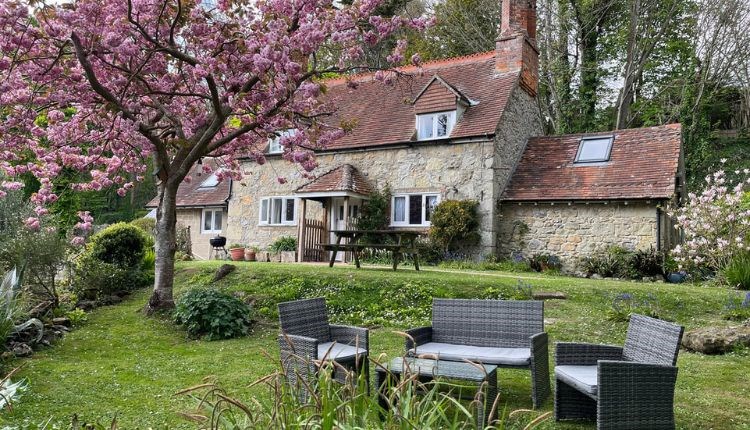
pixel 404 243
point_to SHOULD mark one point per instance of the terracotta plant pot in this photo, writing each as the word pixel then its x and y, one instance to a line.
pixel 238 254
pixel 249 254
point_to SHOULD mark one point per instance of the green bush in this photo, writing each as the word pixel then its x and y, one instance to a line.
pixel 284 243
pixel 455 223
pixel 737 272
pixel 212 314
pixel 116 262
pixel 94 279
pixel 545 263
pixel 647 262
pixel 120 244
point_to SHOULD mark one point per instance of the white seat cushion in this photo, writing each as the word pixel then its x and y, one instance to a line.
pixel 338 351
pixel 481 354
pixel 583 378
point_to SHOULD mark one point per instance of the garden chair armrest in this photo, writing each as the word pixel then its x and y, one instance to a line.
pixel 585 354
pixel 632 392
pixel 420 336
pixel 301 346
pixel 349 335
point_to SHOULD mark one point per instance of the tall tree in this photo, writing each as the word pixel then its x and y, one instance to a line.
pixel 172 81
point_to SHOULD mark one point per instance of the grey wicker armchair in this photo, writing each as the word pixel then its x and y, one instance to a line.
pixel 630 387
pixel 307 341
pixel 506 333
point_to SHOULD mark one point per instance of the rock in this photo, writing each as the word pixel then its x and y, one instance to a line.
pixel 7 355
pixel 717 340
pixel 110 300
pixel 40 311
pixel 223 271
pixel 658 278
pixel 86 305
pixel 596 276
pixel 63 321
pixel 21 349
pixel 547 295
pixel 647 279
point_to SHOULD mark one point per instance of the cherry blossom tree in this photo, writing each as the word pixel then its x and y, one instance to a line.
pixel 128 88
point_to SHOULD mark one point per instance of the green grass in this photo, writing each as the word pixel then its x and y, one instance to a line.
pixel 122 362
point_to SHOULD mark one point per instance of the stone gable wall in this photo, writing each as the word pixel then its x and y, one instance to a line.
pixel 192 218
pixel 577 230
pixel 519 122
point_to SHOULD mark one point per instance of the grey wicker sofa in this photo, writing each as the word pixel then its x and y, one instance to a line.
pixel 307 340
pixel 630 387
pixel 506 333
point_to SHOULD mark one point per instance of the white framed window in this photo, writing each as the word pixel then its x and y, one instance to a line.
pixel 278 211
pixel 594 149
pixel 274 143
pixel 211 220
pixel 413 209
pixel 437 125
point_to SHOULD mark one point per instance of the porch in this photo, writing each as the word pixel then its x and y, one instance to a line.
pixel 328 203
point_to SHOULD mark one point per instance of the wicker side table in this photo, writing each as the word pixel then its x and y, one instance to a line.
pixel 484 375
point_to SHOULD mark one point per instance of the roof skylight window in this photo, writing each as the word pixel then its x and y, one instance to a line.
pixel 594 149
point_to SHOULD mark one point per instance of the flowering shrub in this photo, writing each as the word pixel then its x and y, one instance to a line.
pixel 715 223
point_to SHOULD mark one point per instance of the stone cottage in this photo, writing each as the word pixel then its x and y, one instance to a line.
pixel 466 128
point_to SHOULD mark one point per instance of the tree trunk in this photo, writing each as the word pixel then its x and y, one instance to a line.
pixel 166 245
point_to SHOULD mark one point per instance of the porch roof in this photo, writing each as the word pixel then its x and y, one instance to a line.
pixel 343 180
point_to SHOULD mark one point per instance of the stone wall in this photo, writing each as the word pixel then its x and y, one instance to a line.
pixel 192 218
pixel 576 230
pixel 519 122
pixel 455 171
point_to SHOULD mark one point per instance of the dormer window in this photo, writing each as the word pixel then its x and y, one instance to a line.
pixel 274 143
pixel 210 182
pixel 436 125
pixel 594 149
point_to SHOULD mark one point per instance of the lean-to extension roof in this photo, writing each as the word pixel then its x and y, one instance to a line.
pixel 643 165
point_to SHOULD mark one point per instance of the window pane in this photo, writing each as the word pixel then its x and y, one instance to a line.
pixel 264 210
pixel 594 149
pixel 289 210
pixel 211 182
pixel 415 209
pixel 276 211
pixel 430 203
pixel 207 220
pixel 442 124
pixel 425 127
pixel 217 220
pixel 399 209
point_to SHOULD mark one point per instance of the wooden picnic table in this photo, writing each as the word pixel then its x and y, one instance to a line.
pixel 404 242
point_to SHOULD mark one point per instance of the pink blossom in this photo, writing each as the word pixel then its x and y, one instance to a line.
pixel 78 241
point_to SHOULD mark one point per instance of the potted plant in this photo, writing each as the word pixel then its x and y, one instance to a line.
pixel 237 251
pixel 250 252
pixel 286 248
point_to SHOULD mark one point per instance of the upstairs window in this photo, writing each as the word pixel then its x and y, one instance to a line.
pixel 413 209
pixel 436 125
pixel 594 149
pixel 278 211
pixel 210 182
pixel 274 143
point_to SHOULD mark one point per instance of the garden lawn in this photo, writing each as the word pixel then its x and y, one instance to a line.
pixel 123 363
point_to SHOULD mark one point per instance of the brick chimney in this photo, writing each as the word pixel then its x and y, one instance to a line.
pixel 515 48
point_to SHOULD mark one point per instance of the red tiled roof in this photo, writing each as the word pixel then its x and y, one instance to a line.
pixel 193 195
pixel 643 164
pixel 384 114
pixel 343 178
